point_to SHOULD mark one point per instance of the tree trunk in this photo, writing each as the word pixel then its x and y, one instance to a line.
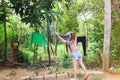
pixel 35 54
pixel 107 30
pixel 14 48
pixel 5 41
pixel 5 34
pixel 48 40
pixel 56 47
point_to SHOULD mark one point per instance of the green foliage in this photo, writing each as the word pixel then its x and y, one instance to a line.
pixel 23 57
pixel 1 50
pixel 115 41
pixel 91 17
pixel 40 57
pixel 10 32
pixel 44 56
pixel 1 33
pixel 34 12
pixel 1 41
pixel 115 68
pixel 16 27
pixel 4 10
pixel 118 68
pixel 92 61
pixel 92 6
pixel 36 73
pixel 80 76
pixel 69 18
pixel 53 69
pixel 96 36
pixel 40 12
pixel 65 60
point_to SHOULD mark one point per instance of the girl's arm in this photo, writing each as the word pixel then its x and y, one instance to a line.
pixel 61 38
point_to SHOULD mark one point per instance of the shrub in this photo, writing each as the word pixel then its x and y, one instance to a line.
pixel 65 60
pixel 23 58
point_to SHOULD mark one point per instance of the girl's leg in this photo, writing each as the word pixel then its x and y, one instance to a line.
pixel 75 69
pixel 83 67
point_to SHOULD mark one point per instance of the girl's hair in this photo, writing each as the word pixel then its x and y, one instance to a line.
pixel 72 36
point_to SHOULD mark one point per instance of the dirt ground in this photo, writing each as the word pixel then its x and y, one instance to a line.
pixel 111 76
pixel 19 73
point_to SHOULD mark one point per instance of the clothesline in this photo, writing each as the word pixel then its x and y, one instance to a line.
pixel 79 39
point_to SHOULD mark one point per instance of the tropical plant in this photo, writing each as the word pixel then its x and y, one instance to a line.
pixel 107 31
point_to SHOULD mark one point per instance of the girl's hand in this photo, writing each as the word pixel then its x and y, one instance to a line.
pixel 56 33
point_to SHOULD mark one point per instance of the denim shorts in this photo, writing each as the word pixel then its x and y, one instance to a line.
pixel 76 54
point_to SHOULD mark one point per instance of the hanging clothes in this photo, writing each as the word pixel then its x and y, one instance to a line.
pixel 79 39
pixel 38 38
pixel 83 40
pixel 64 36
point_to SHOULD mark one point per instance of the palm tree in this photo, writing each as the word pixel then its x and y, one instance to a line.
pixel 107 30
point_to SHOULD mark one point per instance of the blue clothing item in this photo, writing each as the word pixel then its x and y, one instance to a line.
pixel 76 55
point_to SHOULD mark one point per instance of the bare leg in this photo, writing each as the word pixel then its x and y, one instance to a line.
pixel 75 69
pixel 82 65
pixel 84 68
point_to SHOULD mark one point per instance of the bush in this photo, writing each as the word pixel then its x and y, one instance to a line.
pixel 23 58
pixel 65 60
pixel 93 60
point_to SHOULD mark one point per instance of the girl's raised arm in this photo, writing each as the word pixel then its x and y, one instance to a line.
pixel 61 38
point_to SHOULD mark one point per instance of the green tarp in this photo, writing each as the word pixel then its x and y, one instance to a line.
pixel 38 38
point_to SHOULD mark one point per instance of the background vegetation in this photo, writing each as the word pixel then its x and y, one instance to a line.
pixel 19 18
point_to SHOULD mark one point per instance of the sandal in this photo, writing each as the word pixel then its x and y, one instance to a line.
pixel 86 76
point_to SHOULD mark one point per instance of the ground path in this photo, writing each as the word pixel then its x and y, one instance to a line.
pixel 111 76
pixel 19 73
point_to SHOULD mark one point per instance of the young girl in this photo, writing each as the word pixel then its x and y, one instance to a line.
pixel 75 53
